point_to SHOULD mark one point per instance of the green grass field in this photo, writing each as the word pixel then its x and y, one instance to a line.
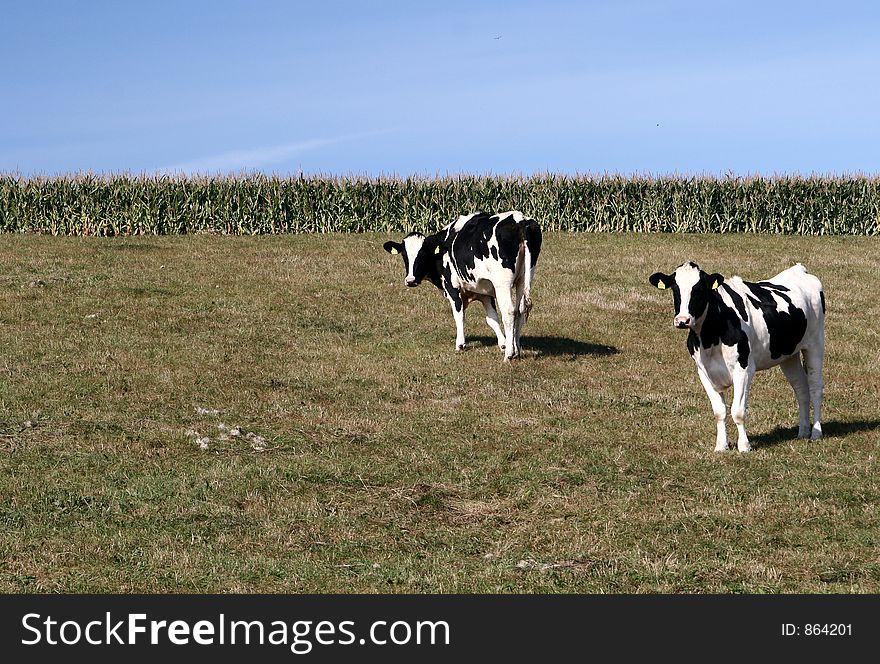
pixel 280 414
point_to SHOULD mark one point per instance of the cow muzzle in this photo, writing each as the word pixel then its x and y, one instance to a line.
pixel 683 322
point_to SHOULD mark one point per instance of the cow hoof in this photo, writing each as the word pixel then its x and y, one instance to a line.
pixel 459 348
pixel 744 448
pixel 718 448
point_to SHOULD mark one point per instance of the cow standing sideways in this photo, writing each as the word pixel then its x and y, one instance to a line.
pixel 739 327
pixel 490 258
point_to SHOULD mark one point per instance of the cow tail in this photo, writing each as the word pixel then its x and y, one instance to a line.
pixel 530 233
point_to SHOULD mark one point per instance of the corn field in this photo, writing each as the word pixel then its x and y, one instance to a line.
pixel 255 204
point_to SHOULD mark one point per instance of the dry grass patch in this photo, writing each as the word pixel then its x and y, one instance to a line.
pixel 351 449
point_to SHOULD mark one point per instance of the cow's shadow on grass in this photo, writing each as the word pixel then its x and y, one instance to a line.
pixel 831 428
pixel 555 346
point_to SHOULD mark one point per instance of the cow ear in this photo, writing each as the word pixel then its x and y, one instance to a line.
pixel 392 247
pixel 660 280
pixel 715 280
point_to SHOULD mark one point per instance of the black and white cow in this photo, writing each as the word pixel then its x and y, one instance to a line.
pixel 739 327
pixel 483 257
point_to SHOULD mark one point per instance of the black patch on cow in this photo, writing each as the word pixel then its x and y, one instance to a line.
pixel 428 262
pixel 494 251
pixel 508 235
pixel 786 328
pixel 470 243
pixel 531 233
pixel 772 286
pixel 738 302
pixel 701 292
pixel 693 342
pixel 676 297
pixel 452 292
pixel 699 297
pixel 722 325
pixel 822 297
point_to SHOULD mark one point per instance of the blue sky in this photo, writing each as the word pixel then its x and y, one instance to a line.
pixel 425 88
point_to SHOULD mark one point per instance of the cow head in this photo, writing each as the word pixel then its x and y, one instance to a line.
pixel 691 289
pixel 419 254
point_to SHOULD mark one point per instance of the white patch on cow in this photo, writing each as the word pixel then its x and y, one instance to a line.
pixel 412 244
pixel 516 214
pixel 462 220
pixel 686 276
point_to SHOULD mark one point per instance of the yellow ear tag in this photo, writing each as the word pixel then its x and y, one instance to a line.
pixel 437 250
pixel 715 285
pixel 661 285
pixel 394 251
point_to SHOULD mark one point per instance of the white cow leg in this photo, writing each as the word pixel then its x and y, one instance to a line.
pixel 455 301
pixel 517 317
pixel 796 374
pixel 523 307
pixel 742 380
pixel 507 309
pixel 492 319
pixel 718 409
pixel 813 359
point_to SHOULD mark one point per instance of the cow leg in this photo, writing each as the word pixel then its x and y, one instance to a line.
pixel 742 380
pixel 719 410
pixel 813 359
pixel 507 309
pixel 458 305
pixel 524 296
pixel 517 315
pixel 523 307
pixel 492 318
pixel 796 374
